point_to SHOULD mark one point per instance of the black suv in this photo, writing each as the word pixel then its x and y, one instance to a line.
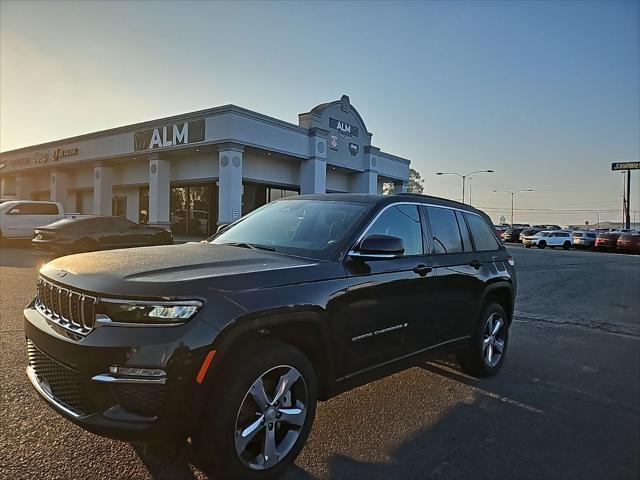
pixel 230 342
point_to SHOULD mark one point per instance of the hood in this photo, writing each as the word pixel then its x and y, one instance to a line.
pixel 190 269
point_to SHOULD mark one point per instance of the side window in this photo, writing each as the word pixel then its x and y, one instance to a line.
pixel 402 221
pixel 464 233
pixel 38 209
pixel 444 230
pixel 17 210
pixel 482 234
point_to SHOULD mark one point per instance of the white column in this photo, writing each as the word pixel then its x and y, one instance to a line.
pixel 159 191
pixel 229 182
pixel 24 185
pixel 313 172
pixel 367 181
pixel 58 191
pixel 102 190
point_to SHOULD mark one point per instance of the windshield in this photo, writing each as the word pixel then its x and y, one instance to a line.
pixel 311 228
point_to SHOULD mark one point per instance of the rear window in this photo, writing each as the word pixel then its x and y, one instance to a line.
pixel 482 234
pixel 578 234
pixel 33 208
pixel 444 230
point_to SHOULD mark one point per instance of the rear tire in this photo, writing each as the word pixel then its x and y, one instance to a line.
pixel 233 415
pixel 566 245
pixel 84 245
pixel 489 343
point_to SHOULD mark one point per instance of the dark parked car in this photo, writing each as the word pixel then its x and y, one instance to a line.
pixel 86 234
pixel 629 242
pixel 231 342
pixel 607 241
pixel 512 234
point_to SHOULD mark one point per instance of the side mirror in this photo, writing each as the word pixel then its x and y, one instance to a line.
pixel 222 226
pixel 379 247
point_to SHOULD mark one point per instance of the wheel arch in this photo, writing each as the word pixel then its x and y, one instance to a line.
pixel 501 293
pixel 306 330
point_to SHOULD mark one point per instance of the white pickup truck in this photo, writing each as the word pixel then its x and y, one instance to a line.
pixel 18 218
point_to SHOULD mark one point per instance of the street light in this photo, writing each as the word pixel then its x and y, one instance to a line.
pixel 512 194
pixel 464 177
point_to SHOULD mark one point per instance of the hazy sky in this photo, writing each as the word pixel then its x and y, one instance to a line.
pixel 547 94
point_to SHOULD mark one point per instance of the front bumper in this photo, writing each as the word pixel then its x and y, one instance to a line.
pixel 72 373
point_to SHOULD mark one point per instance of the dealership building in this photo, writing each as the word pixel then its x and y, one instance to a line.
pixel 191 172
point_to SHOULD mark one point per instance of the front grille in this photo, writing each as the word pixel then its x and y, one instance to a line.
pixel 62 382
pixel 69 309
pixel 143 400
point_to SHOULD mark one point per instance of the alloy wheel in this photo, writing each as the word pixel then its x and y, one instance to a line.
pixel 494 340
pixel 269 424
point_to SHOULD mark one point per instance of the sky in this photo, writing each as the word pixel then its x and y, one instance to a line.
pixel 546 94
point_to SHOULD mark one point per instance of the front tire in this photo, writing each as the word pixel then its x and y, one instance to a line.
pixel 489 343
pixel 259 414
pixel 542 244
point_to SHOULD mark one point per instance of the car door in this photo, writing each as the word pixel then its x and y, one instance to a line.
pixel 130 233
pixel 387 299
pixel 17 220
pixel 459 280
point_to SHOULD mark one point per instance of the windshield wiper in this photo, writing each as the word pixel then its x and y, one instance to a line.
pixel 252 246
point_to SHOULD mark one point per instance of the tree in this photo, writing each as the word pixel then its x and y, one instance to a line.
pixel 415 183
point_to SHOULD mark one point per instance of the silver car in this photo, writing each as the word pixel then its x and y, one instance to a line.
pixel 584 238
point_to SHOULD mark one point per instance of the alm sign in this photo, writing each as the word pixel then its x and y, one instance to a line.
pixel 343 127
pixel 164 136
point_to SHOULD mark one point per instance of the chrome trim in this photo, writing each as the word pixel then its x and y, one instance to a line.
pixel 48 396
pixel 111 379
pixel 161 303
pixel 423 204
pixel 52 296
pixel 358 254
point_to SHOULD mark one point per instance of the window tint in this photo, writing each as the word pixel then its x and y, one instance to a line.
pixel 464 232
pixel 36 209
pixel 444 230
pixel 482 234
pixel 402 221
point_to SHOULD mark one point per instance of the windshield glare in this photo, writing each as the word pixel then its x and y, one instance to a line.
pixel 305 227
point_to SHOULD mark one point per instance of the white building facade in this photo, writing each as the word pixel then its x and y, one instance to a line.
pixel 191 172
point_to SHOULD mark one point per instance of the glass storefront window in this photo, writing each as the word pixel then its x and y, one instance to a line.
pixel 190 210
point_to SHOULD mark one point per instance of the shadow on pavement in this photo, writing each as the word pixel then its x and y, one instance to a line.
pixel 19 254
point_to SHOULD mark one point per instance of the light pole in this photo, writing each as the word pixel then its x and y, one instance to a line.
pixel 512 194
pixel 464 177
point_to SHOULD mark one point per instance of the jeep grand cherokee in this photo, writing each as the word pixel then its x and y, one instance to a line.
pixel 230 342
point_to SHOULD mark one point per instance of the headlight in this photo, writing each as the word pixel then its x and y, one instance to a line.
pixel 139 313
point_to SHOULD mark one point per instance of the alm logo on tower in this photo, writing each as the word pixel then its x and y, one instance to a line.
pixel 343 127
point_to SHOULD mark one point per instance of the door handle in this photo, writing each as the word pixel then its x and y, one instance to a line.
pixel 475 264
pixel 421 269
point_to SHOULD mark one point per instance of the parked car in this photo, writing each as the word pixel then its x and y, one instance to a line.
pixel 86 234
pixel 512 234
pixel 553 227
pixel 607 241
pixel 549 238
pixel 18 218
pixel 584 238
pixel 230 342
pixel 499 231
pixel 629 242
pixel 527 232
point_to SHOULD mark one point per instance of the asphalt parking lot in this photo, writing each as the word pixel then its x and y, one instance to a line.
pixel 565 406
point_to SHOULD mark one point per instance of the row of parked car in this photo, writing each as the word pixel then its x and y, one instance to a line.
pixel 50 229
pixel 542 236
